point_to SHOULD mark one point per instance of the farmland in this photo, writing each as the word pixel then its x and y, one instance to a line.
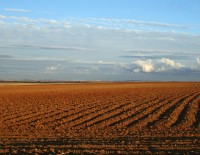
pixel 100 118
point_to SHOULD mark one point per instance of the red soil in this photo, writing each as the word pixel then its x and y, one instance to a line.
pixel 100 118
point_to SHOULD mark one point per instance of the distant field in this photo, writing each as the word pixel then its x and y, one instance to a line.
pixel 100 118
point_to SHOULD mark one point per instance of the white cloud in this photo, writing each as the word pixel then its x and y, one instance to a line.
pixel 52 69
pixel 144 66
pixel 106 22
pixel 48 21
pixel 17 10
pixel 100 23
pixel 105 39
pixel 157 65
pixel 136 22
pixel 22 20
pixel 171 63
pixel 198 61
pixel 2 17
pixel 106 62
pixel 39 32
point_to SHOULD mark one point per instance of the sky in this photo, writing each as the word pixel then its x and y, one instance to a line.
pixel 108 40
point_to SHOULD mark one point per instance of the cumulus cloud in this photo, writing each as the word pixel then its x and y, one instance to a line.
pixel 17 10
pixel 197 67
pixel 171 63
pixel 158 65
pixel 144 66
pixel 198 61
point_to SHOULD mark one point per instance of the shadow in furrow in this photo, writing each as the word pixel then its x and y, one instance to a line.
pixel 167 112
pixel 135 114
pixel 118 114
pixel 150 113
pixel 183 113
pixel 99 115
pixel 145 116
pixel 197 122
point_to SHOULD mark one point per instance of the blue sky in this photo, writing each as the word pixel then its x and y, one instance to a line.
pixel 100 40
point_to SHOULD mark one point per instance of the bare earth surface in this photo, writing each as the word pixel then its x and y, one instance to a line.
pixel 100 118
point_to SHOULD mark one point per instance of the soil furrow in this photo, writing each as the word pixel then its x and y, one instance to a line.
pixel 137 112
pixel 112 116
pixel 182 116
pixel 153 111
pixel 167 112
pixel 101 118
pixel 92 118
pixel 77 115
pixel 35 118
pixel 197 122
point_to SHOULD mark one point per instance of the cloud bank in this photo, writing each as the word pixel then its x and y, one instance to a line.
pixel 91 48
pixel 163 65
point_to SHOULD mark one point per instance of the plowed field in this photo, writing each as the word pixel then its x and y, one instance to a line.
pixel 100 118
